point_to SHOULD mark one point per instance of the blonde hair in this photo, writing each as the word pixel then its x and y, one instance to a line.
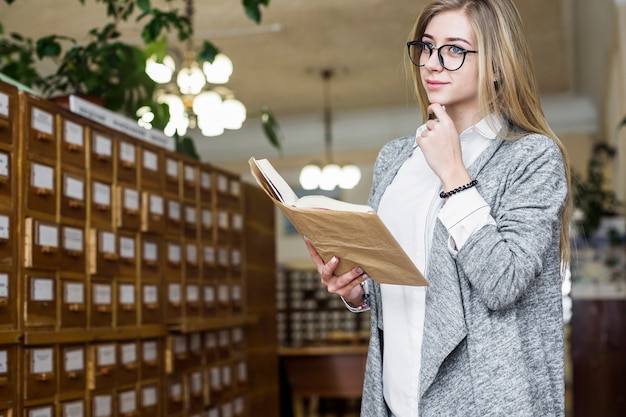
pixel 507 84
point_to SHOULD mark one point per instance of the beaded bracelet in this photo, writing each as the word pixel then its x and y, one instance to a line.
pixel 458 190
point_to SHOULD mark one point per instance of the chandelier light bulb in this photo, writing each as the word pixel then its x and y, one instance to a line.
pixel 207 102
pixel 211 124
pixel 234 113
pixel 330 177
pixel 160 73
pixel 310 176
pixel 219 71
pixel 190 80
pixel 175 103
pixel 350 177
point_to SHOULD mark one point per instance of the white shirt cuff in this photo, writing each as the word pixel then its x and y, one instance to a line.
pixel 463 214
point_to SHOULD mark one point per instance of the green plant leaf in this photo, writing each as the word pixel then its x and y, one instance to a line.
pixel 252 8
pixel 144 5
pixel 208 52
pixel 271 128
pixel 48 46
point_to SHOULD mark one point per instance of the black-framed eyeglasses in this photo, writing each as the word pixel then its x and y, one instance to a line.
pixel 451 57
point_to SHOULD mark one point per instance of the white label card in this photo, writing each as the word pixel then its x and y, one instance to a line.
pixel 150 251
pixel 174 293
pixel 173 209
pixel 156 204
pixel 73 239
pixel 107 242
pixel 4 164
pixel 131 199
pixel 150 294
pixel 42 177
pixel 127 247
pixel 173 252
pixel 209 294
pixel 42 361
pixel 74 360
pixel 48 236
pixel 74 409
pixel 74 293
pixel 101 194
pixel 74 188
pixel 127 294
pixel 205 180
pixel 4 285
pixel 190 214
pixel 150 351
pixel 150 160
pixel 73 133
pixel 102 145
pixel 193 293
pixel 42 121
pixel 102 294
pixel 127 153
pixel 4 227
pixel 191 253
pixel 4 105
pixel 102 405
pixel 149 396
pixel 106 355
pixel 4 368
pixel 129 353
pixel 190 174
pixel 43 289
pixel 128 402
pixel 40 412
pixel 176 390
pixel 171 168
pixel 207 217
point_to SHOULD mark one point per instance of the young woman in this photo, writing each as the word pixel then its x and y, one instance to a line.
pixel 479 199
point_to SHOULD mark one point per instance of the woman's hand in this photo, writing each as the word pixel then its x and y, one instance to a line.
pixel 347 285
pixel 441 147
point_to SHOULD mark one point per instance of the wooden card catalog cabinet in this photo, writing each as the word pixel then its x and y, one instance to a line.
pixel 173 259
pixel 195 384
pixel 149 400
pixel 222 186
pixel 101 154
pixel 8 113
pixel 150 302
pixel 41 301
pixel 127 162
pixel 126 303
pixel 128 209
pixel 241 369
pixel 209 300
pixel 73 375
pixel 73 249
pixel 73 192
pixel 239 407
pixel 151 168
pixel 191 221
pixel 151 359
pixel 227 378
pixel 73 144
pixel 237 340
pixel 8 373
pixel 174 306
pixel 73 303
pixel 236 298
pixel 73 408
pixel 190 181
pixel 207 223
pixel 172 176
pixel 175 395
pixel 8 310
pixel 41 189
pixel 236 228
pixel 192 266
pixel 101 310
pixel 195 348
pixel 235 262
pixel 41 241
pixel 210 347
pixel 223 260
pixel 150 256
pixel 41 372
pixel 193 300
pixel 152 213
pixel 102 404
pixel 41 132
pixel 47 410
pixel 101 203
pixel 129 362
pixel 128 254
pixel 105 363
pixel 173 217
pixel 103 254
pixel 127 403
pixel 206 185
pixel 6 178
pixel 7 248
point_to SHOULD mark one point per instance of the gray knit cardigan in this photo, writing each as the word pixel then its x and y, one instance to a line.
pixel 493 335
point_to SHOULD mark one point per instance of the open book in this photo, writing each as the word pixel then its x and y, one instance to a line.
pixel 352 232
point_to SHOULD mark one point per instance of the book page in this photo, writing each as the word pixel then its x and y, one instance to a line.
pixel 280 187
pixel 328 203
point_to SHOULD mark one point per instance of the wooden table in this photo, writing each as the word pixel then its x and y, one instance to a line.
pixel 323 371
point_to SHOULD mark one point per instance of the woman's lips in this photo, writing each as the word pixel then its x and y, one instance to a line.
pixel 434 85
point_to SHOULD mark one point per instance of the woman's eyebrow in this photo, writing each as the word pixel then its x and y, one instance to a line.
pixel 451 39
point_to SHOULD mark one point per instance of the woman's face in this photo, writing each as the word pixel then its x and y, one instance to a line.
pixel 457 90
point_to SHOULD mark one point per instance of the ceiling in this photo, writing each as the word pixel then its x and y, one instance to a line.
pixel 278 62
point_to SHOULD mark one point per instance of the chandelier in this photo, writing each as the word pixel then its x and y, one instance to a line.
pixel 196 94
pixel 330 175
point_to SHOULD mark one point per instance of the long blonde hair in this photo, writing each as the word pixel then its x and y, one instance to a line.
pixel 507 84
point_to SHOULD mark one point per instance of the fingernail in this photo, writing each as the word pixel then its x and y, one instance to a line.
pixel 334 260
pixel 358 270
pixel 365 277
pixel 305 238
